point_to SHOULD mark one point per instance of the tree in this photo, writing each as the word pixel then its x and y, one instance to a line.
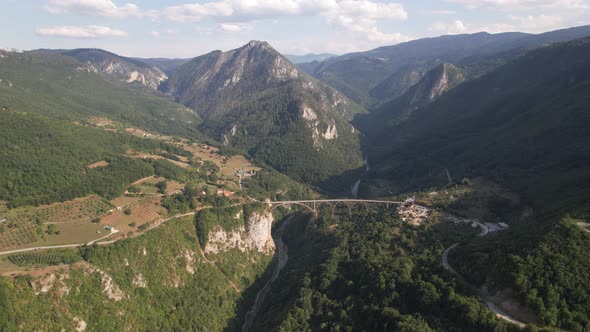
pixel 162 186
pixel 52 229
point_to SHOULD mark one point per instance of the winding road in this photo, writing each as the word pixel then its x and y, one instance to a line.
pixel 485 298
pixel 97 241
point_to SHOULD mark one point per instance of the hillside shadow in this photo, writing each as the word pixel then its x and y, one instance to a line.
pixel 248 295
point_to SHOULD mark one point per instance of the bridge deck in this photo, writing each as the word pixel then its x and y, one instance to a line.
pixel 335 201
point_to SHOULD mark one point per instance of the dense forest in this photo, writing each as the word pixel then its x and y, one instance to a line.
pixel 371 272
pixel 45 160
pixel 544 264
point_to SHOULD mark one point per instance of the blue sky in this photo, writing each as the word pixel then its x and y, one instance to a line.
pixel 180 28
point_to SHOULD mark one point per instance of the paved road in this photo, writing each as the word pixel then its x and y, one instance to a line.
pixel 97 241
pixel 335 200
pixel 485 298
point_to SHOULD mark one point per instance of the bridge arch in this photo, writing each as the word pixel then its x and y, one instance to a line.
pixel 276 205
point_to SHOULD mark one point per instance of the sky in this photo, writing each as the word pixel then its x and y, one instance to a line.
pixel 183 29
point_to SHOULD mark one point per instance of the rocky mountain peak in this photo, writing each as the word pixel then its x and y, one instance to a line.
pixel 253 98
pixel 117 67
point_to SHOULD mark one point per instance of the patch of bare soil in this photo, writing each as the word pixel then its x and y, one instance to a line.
pixel 506 300
pixel 101 163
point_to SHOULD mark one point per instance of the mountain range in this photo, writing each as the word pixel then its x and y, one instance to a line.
pixel 437 119
pixel 373 77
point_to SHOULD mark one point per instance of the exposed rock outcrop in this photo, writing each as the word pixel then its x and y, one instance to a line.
pixel 254 235
pixel 117 67
pixel 109 288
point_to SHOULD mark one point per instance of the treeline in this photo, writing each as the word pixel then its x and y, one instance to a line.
pixel 45 161
pixel 369 272
pixel 268 183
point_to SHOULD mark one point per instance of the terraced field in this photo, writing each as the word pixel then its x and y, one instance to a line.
pixel 46 258
pixel 27 226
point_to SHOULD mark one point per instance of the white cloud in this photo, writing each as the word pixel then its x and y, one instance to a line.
pixel 85 32
pixel 235 27
pixel 452 28
pixel 528 23
pixel 359 16
pixel 104 8
pixel 155 34
pixel 524 4
pixel 539 23
pixel 443 12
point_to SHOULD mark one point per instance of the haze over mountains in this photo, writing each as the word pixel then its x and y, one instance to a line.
pixel 379 75
pixel 479 128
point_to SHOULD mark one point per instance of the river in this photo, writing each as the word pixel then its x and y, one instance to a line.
pixel 283 257
pixel 355 187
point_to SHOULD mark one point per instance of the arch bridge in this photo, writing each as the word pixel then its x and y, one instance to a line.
pixel 314 205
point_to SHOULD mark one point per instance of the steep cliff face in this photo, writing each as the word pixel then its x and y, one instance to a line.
pixel 254 235
pixel 254 99
pixel 435 83
pixel 117 67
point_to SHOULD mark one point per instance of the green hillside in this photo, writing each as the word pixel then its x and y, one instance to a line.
pixel 524 126
pixel 61 87
pixel 44 160
pixel 157 282
pixel 254 99
pixel 370 272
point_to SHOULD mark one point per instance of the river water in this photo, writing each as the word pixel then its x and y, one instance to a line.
pixel 355 187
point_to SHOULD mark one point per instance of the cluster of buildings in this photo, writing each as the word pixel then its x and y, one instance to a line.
pixel 223 192
pixel 242 172
pixel 413 213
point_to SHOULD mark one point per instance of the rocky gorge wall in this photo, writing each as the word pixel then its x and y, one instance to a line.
pixel 254 234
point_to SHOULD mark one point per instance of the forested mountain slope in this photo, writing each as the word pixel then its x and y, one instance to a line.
pixel 254 99
pixel 524 126
pixel 525 120
pixel 370 271
pixel 62 87
pixel 430 87
pixel 45 160
pixel 377 76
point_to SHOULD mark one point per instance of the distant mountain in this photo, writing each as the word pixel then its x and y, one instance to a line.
pixel 377 76
pixel 430 87
pixel 164 64
pixel 310 57
pixel 114 66
pixel 524 125
pixel 253 98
